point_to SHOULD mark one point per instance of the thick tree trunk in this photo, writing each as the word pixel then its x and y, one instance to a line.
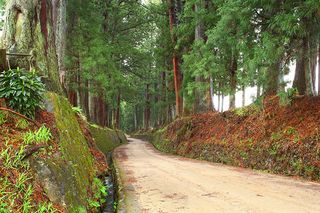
pixel 29 28
pixel 203 102
pixel 301 68
pixel 272 83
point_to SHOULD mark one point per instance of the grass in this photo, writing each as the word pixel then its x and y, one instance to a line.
pixel 42 135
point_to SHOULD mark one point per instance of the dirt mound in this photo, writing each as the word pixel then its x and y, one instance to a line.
pixel 281 139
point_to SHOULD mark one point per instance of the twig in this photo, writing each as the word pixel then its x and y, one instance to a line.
pixel 20 115
pixel 32 149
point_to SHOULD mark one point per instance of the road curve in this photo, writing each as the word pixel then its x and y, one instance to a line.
pixel 155 182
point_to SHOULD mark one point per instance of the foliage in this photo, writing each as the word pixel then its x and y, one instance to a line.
pixel 22 124
pixel 23 90
pixel 77 110
pixel 2 118
pixel 100 192
pixel 286 97
pixel 42 135
pixel 17 192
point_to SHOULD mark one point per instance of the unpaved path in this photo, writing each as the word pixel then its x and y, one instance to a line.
pixel 155 182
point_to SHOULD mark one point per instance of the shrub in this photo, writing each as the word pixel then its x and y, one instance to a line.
pixel 22 90
pixel 286 97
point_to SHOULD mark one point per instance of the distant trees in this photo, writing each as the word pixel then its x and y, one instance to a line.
pixel 144 64
pixel 134 65
pixel 247 43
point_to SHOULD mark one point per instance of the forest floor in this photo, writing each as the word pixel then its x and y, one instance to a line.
pixel 20 190
pixel 279 135
pixel 156 182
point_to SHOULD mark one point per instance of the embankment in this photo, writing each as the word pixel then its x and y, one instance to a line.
pixel 267 136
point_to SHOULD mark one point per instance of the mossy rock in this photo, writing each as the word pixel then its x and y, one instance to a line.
pixel 71 173
pixel 107 139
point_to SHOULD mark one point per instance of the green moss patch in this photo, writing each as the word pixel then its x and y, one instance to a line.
pixel 75 152
pixel 107 139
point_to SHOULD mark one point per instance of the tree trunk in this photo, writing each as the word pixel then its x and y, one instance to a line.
pixel 212 93
pixel 313 65
pixel 219 101
pixel 243 96
pixel 301 69
pixel 233 82
pixel 258 90
pixel 318 68
pixel 29 28
pixel 272 84
pixel 86 100
pixel 163 113
pixel 117 123
pixel 203 101
pixel 222 102
pixel 176 61
pixel 72 93
pixel 135 118
pixel 147 110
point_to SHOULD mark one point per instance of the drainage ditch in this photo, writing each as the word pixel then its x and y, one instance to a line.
pixel 110 182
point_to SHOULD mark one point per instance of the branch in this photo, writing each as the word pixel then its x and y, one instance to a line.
pixel 29 150
pixel 20 115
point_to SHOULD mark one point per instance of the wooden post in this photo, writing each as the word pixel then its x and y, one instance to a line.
pixel 3 60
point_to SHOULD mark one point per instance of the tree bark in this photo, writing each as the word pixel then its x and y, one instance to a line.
pixel 258 90
pixel 301 68
pixel 233 81
pixel 176 61
pixel 203 101
pixel 29 29
pixel 117 124
pixel 272 84
pixel 147 111
pixel 318 67
pixel 243 96
pixel 222 102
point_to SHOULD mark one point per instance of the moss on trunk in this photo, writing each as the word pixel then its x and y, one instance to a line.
pixel 29 29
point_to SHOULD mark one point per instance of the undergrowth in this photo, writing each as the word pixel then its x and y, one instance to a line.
pixel 18 192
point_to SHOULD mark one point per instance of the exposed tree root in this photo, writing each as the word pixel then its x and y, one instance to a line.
pixel 20 115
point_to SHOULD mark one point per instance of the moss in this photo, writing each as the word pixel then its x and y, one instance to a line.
pixel 107 139
pixel 74 150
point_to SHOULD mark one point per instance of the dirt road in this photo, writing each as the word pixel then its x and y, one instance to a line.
pixel 155 182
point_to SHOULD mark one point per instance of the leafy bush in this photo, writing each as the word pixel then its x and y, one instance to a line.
pixel 23 90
